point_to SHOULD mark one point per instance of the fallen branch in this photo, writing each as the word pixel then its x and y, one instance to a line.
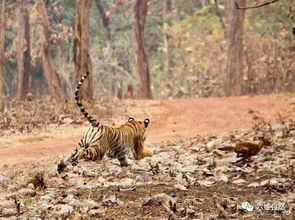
pixel 170 212
pixel 17 205
pixel 256 6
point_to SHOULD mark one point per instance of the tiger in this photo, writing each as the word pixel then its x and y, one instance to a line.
pixel 114 142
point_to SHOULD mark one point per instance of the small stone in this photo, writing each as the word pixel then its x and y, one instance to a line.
pixel 213 217
pixel 210 145
pixel 273 182
pixel 12 188
pixel 3 179
pixel 45 197
pixel 91 203
pixel 239 181
pixel 255 184
pixel 277 126
pixel 63 210
pixel 84 205
pixel 143 177
pixel 250 111
pixel 96 213
pixel 291 101
pixel 26 192
pixel 127 182
pixel 68 121
pixel 44 206
pixel 224 178
pixel 8 203
pixel 31 186
pixel 264 183
pixel 205 183
pixel 151 202
pixel 109 200
pixel 88 173
pixel 9 218
pixel 161 199
pixel 69 198
pixel 255 117
pixel 180 187
pixel 80 183
pixel 8 212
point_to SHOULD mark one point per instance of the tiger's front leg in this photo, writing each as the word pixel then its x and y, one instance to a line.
pixel 140 151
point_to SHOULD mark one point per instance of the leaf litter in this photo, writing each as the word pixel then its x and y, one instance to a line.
pixel 195 178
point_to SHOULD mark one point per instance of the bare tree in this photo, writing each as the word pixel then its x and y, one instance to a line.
pixel 81 47
pixel 45 53
pixel 2 44
pixel 141 9
pixel 23 54
pixel 233 81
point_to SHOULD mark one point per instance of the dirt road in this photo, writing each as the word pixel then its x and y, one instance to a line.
pixel 170 120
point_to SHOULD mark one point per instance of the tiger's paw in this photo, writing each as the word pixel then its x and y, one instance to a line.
pixel 124 162
pixel 148 153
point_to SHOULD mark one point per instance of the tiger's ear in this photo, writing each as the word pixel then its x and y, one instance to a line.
pixel 131 119
pixel 146 122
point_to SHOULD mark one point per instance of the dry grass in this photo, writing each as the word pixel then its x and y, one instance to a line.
pixel 26 116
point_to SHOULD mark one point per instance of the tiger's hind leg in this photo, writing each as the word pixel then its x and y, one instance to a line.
pixel 92 153
pixel 119 153
pixel 123 161
pixel 91 146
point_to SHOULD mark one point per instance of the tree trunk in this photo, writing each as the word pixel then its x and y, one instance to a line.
pixel 2 44
pixel 292 14
pixel 81 47
pixel 105 20
pixel 141 9
pixel 45 53
pixel 233 81
pixel 167 4
pixel 291 86
pixel 23 54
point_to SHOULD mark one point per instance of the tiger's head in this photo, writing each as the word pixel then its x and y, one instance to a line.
pixel 139 127
pixel 145 122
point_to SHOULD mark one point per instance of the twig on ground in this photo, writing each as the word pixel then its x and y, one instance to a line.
pixel 17 205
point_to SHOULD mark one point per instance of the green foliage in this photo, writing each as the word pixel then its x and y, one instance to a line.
pixel 272 21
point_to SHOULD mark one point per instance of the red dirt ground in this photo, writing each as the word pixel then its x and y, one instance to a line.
pixel 170 120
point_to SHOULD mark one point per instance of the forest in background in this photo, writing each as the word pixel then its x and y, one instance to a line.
pixel 148 59
pixel 193 47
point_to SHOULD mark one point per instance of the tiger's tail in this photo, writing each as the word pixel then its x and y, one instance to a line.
pixel 92 120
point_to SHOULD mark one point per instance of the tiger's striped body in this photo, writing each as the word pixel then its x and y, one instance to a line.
pixel 114 142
